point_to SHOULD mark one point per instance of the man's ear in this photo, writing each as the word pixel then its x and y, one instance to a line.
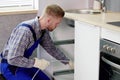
pixel 48 20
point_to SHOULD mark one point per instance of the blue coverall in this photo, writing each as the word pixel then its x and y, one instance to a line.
pixel 11 72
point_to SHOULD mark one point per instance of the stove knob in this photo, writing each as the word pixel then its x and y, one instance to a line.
pixel 105 46
pixel 108 48
pixel 112 50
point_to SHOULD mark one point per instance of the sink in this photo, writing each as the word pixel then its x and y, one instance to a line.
pixel 84 11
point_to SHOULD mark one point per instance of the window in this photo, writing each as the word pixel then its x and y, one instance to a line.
pixel 14 5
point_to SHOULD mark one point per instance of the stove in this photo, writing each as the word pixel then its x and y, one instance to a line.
pixel 109 60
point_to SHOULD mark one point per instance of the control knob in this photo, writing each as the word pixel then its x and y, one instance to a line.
pixel 112 50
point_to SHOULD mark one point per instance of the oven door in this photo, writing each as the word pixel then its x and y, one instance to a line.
pixel 109 67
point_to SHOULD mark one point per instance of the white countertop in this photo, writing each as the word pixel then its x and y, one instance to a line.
pixel 97 19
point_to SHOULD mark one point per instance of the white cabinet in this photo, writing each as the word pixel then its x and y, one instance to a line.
pixel 110 35
pixel 87 39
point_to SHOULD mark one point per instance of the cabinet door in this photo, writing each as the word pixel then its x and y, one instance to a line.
pixel 87 38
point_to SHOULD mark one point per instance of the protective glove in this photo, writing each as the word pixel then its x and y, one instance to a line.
pixel 71 64
pixel 41 63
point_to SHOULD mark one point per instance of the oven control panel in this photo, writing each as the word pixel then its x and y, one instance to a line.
pixel 110 47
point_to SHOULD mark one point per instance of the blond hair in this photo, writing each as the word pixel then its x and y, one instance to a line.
pixel 54 10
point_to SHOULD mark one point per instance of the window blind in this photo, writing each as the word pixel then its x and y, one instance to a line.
pixel 16 5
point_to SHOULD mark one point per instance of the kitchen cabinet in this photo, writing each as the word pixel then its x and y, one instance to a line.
pixel 88 31
pixel 87 39
pixel 111 35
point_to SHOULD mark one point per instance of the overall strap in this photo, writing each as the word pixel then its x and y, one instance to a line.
pixel 31 29
pixel 29 51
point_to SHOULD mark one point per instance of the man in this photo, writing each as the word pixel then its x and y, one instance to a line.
pixel 16 64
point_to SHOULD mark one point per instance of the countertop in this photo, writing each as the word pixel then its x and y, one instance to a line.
pixel 99 20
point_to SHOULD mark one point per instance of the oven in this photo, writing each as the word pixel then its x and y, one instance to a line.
pixel 109 60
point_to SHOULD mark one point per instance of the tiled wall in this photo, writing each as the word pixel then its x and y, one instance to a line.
pixel 8 22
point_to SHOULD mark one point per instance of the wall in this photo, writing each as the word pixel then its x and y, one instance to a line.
pixel 113 5
pixel 8 22
pixel 66 4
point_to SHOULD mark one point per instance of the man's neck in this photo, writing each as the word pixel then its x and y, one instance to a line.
pixel 42 23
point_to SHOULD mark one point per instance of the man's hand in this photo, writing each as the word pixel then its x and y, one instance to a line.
pixel 41 63
pixel 71 64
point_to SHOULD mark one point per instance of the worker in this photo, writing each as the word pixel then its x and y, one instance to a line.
pixel 16 63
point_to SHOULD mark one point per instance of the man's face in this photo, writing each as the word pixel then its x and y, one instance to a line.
pixel 53 23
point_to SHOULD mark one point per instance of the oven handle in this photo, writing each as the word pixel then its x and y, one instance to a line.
pixel 110 63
